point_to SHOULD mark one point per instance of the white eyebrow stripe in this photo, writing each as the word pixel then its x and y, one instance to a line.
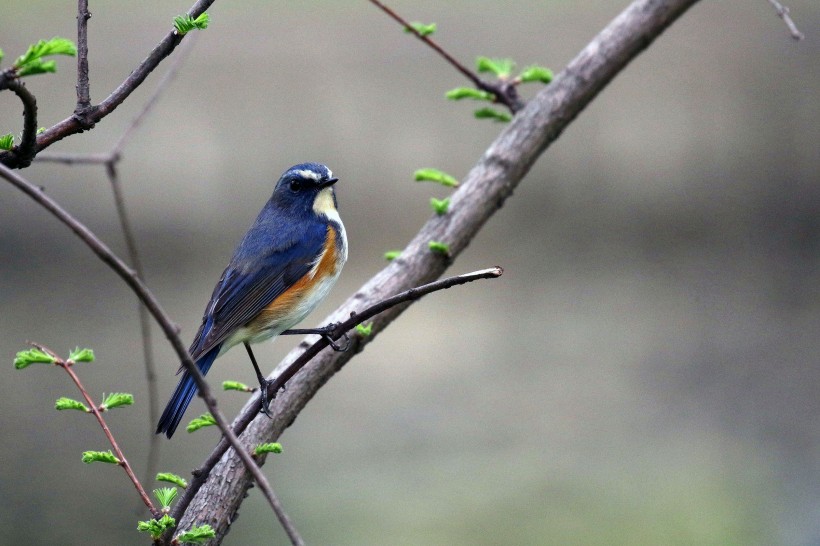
pixel 304 173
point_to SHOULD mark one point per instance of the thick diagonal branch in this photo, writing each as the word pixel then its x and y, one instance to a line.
pixel 481 194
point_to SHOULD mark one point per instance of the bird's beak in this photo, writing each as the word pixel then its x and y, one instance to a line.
pixel 328 182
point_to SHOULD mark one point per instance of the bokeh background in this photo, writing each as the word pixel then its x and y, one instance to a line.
pixel 645 372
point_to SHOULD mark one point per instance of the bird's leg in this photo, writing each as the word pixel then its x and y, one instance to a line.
pixel 324 331
pixel 263 383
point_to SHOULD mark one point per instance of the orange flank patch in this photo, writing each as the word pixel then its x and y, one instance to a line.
pixel 291 300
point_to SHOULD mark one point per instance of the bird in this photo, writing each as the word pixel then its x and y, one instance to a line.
pixel 285 265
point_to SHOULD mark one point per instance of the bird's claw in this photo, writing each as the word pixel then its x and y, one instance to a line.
pixel 263 391
pixel 335 346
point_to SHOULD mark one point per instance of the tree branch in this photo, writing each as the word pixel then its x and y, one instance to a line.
pixel 93 114
pixel 92 406
pixel 783 13
pixel 504 91
pixel 480 195
pixel 25 151
pixel 110 160
pixel 83 84
pixel 253 408
pixel 135 283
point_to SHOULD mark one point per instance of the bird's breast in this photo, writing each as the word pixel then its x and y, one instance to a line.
pixel 302 297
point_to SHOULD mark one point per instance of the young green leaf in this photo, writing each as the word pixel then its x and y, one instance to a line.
pixel 117 400
pixel 81 355
pixel 156 527
pixel 439 247
pixel 37 67
pixel 165 496
pixel 502 68
pixel 7 142
pixel 536 74
pixel 364 330
pixel 32 356
pixel 185 23
pixel 440 206
pixel 421 28
pixel 235 386
pixel 172 478
pixel 204 420
pixel 64 403
pixel 491 113
pixel 468 93
pixel 44 48
pixel 435 175
pixel 391 255
pixel 2 55
pixel 100 457
pixel 274 447
pixel 197 535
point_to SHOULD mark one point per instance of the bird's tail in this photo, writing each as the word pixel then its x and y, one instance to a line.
pixel 183 394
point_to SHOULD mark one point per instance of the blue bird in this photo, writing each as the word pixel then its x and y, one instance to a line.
pixel 284 267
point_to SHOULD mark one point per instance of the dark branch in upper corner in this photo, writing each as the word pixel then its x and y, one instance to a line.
pixel 505 92
pixel 783 12
pixel 77 123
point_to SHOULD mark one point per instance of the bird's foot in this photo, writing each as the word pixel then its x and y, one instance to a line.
pixel 326 332
pixel 335 346
pixel 263 392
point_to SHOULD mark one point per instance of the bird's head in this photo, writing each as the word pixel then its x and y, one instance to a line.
pixel 307 186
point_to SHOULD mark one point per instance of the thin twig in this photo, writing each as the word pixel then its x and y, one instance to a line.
pixel 74 159
pixel 131 244
pixel 783 12
pixel 504 92
pixel 147 297
pixel 67 366
pixel 167 78
pixel 83 84
pixel 242 422
pixel 144 317
pixel 340 329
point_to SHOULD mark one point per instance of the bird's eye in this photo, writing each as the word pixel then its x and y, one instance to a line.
pixel 295 185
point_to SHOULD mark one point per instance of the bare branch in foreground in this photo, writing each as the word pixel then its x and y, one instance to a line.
pixel 783 13
pixel 480 195
pixel 133 281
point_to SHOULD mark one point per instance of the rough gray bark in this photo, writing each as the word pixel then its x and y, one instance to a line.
pixel 481 193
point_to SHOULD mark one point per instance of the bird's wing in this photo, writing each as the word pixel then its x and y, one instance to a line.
pixel 244 290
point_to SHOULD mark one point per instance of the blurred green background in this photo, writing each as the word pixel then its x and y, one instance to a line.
pixel 645 372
